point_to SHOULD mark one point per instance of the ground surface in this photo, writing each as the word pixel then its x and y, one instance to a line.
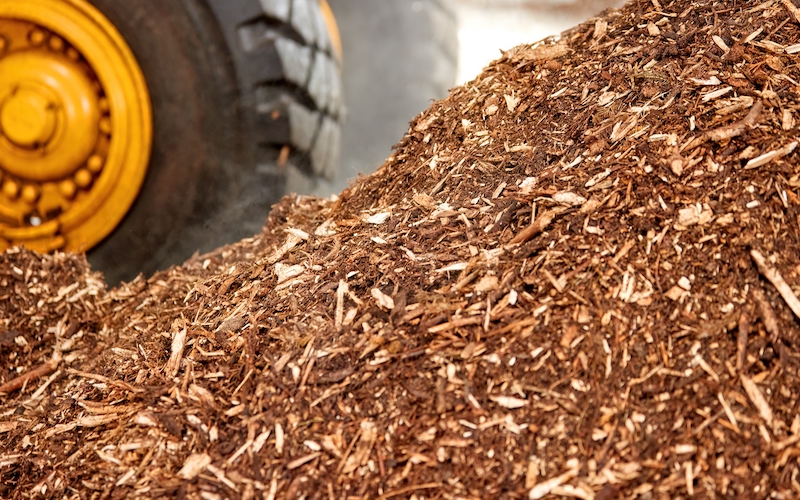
pixel 573 278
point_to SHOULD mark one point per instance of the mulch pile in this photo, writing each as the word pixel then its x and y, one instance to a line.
pixel 577 276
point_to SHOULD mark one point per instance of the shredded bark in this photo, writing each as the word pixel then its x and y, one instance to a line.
pixel 545 292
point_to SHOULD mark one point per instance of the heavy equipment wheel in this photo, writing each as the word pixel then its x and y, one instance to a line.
pixel 233 96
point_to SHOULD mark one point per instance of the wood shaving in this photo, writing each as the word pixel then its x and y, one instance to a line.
pixel 593 294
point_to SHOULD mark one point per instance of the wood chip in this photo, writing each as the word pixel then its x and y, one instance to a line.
pixel 741 340
pixel 383 300
pixel 793 10
pixel 768 316
pixel 303 460
pixel 40 371
pixel 771 156
pixel 194 465
pixel 757 398
pixel 777 280
pixel 544 488
pixel 176 353
pixel 508 401
pixel 539 225
pixel 511 102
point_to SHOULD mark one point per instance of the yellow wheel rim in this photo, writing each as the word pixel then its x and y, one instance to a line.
pixel 333 30
pixel 75 125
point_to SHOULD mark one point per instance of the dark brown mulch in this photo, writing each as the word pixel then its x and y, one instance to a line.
pixel 575 277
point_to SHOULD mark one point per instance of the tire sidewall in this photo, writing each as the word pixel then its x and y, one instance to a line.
pixel 193 97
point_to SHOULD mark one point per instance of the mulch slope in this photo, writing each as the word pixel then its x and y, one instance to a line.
pixel 574 277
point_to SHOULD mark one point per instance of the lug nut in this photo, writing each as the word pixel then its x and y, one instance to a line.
pixel 83 178
pixel 56 43
pixel 36 37
pixel 67 188
pixel 73 54
pixel 95 164
pixel 30 193
pixel 10 189
pixel 103 104
pixel 105 126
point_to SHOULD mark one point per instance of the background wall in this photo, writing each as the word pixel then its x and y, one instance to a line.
pixel 399 55
pixel 488 26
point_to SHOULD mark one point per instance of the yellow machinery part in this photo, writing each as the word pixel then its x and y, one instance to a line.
pixel 333 30
pixel 75 125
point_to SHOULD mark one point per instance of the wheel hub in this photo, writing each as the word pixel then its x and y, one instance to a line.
pixel 49 116
pixel 75 125
pixel 28 118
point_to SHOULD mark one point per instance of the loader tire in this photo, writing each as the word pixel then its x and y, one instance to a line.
pixel 245 93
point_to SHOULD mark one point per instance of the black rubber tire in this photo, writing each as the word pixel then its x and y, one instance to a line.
pixel 398 56
pixel 232 83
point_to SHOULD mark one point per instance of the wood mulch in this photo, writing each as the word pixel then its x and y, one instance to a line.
pixel 576 277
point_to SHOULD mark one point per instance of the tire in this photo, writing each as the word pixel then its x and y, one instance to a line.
pixel 398 56
pixel 234 84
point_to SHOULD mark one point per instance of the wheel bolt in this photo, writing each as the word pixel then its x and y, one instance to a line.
pixel 83 178
pixel 105 126
pixel 73 54
pixel 67 188
pixel 103 104
pixel 36 37
pixel 56 43
pixel 95 164
pixel 10 189
pixel 30 193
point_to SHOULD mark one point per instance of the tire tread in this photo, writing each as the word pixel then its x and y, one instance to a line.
pixel 289 79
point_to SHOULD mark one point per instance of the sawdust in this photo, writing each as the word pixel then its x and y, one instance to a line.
pixel 575 277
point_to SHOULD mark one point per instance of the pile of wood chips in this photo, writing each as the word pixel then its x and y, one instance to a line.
pixel 577 277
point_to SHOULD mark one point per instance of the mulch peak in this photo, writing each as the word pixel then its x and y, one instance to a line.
pixel 576 277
